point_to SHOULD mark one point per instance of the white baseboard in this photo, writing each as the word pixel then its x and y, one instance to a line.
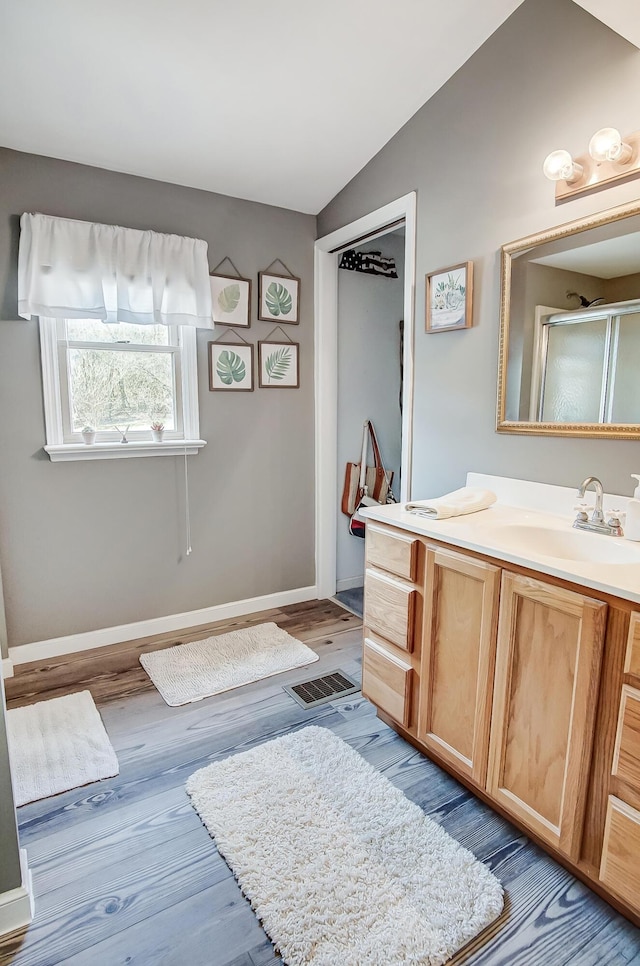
pixel 17 906
pixel 7 668
pixel 348 583
pixel 57 646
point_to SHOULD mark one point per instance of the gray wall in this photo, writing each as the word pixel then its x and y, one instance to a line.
pixel 85 545
pixel 548 78
pixel 369 310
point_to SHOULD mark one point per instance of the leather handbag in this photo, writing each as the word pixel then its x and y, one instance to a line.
pixel 366 485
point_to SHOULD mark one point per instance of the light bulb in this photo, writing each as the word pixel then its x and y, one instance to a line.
pixel 560 166
pixel 607 145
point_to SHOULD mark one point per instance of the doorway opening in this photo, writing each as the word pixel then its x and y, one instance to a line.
pixel 370 376
pixel 364 352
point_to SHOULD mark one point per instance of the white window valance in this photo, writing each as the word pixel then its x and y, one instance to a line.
pixel 80 270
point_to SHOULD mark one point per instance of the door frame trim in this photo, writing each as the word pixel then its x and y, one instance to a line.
pixel 326 372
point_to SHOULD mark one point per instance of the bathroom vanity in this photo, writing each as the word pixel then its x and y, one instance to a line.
pixel 506 646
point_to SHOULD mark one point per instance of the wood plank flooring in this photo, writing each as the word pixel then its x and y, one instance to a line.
pixel 124 872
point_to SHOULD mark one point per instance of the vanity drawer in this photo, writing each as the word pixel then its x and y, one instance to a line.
pixel 626 756
pixel 389 608
pixel 632 660
pixel 395 552
pixel 620 866
pixel 386 681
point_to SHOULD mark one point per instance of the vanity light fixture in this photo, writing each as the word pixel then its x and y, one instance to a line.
pixel 560 166
pixel 607 145
pixel 611 158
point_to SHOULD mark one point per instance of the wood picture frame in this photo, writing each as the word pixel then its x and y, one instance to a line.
pixel 230 300
pixel 231 366
pixel 278 298
pixel 280 368
pixel 449 298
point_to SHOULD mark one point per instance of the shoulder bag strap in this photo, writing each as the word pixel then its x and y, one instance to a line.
pixel 377 455
pixel 363 457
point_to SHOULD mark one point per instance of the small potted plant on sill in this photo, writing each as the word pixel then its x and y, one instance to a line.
pixel 157 431
pixel 89 435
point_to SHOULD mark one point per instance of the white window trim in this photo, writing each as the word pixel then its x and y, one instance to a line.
pixel 58 450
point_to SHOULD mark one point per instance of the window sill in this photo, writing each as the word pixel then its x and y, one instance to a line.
pixel 111 451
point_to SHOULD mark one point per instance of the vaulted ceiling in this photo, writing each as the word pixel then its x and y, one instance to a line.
pixel 280 102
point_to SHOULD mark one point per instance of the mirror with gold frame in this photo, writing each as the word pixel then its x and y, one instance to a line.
pixel 569 361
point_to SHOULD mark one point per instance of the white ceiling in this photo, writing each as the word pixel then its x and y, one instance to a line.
pixel 623 16
pixel 281 101
pixel 611 258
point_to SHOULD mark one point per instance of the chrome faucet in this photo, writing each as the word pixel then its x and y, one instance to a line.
pixel 597 522
pixel 598 516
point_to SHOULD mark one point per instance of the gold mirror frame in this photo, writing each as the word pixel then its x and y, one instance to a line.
pixel 612 430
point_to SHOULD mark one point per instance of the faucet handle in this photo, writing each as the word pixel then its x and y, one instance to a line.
pixel 582 511
pixel 616 518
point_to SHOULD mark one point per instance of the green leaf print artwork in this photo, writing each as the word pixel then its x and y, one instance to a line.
pixel 278 299
pixel 230 367
pixel 278 364
pixel 229 297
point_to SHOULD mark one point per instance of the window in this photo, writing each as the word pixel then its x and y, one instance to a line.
pixel 118 378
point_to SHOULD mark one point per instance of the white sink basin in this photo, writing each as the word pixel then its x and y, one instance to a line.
pixel 568 544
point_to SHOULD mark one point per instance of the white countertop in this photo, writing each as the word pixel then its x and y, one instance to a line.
pixel 522 536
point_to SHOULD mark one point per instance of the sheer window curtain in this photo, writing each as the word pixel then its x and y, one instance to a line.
pixel 79 270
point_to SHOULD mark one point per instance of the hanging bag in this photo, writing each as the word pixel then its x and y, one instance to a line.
pixel 366 485
pixel 362 480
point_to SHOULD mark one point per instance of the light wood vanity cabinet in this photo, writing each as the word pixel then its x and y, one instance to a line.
pixel 386 680
pixel 394 585
pixel 458 649
pixel 499 676
pixel 620 858
pixel 546 683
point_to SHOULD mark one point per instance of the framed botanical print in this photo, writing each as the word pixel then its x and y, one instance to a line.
pixel 279 365
pixel 231 300
pixel 231 366
pixel 278 298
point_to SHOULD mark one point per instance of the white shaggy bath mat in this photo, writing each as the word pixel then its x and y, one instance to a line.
pixel 190 672
pixel 338 865
pixel 56 745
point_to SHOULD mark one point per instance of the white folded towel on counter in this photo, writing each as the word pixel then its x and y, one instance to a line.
pixel 468 499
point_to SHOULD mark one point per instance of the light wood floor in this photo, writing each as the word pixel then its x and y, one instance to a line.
pixel 124 872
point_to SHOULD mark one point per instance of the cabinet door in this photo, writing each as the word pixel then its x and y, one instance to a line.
pixel 461 610
pixel 546 685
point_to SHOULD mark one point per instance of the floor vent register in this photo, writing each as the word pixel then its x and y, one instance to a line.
pixel 335 684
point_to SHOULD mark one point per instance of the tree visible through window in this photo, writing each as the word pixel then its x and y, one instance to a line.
pixel 115 376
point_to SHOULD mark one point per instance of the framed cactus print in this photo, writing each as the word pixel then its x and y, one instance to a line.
pixel 231 366
pixel 230 300
pixel 448 298
pixel 279 365
pixel 278 298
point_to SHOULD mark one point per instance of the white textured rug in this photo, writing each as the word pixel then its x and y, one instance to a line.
pixel 56 745
pixel 338 865
pixel 190 672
